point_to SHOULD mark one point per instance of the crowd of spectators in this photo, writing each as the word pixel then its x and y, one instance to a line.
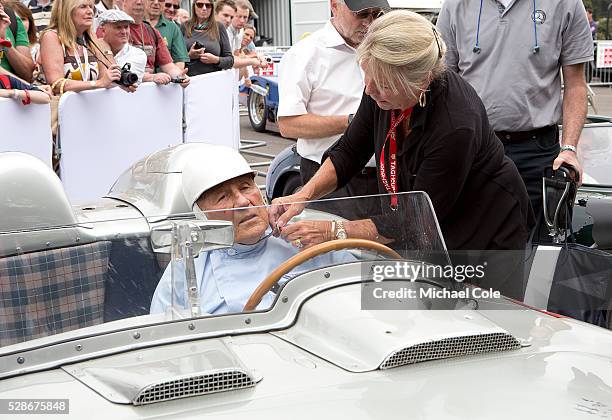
pixel 51 47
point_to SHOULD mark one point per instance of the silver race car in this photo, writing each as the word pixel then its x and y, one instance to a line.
pixel 343 329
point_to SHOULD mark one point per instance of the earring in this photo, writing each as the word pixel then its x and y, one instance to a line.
pixel 422 99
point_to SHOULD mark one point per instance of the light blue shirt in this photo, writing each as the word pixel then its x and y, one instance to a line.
pixel 227 277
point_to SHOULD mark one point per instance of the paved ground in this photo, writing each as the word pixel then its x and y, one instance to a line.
pixel 603 101
pixel 274 144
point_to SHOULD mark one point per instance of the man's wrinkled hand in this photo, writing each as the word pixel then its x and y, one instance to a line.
pixel 161 78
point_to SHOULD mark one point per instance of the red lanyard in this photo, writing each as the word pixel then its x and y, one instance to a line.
pixel 391 183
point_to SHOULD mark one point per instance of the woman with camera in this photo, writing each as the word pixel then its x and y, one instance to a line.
pixel 72 58
pixel 208 43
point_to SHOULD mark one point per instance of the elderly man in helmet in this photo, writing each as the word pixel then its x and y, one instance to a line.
pixel 214 182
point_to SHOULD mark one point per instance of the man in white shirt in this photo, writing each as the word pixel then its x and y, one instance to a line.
pixel 115 28
pixel 241 17
pixel 321 85
pixel 225 10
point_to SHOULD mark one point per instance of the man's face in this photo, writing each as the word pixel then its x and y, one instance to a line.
pixel 153 8
pixel 182 15
pixel 225 16
pixel 241 18
pixel 170 8
pixel 116 34
pixel 352 26
pixel 241 192
pixel 134 8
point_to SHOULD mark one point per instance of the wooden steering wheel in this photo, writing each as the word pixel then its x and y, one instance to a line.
pixel 307 254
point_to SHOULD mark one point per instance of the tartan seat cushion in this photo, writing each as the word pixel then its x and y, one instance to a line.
pixel 49 292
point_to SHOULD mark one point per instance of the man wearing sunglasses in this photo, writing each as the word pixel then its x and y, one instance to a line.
pixel 320 88
pixel 169 31
pixel 170 9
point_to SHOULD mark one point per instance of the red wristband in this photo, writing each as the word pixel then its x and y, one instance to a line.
pixel 27 99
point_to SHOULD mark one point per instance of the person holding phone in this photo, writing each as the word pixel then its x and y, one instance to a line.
pixel 208 43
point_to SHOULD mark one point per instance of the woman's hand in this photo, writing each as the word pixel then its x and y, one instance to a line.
pixel 208 58
pixel 109 76
pixel 195 54
pixel 284 208
pixel 307 233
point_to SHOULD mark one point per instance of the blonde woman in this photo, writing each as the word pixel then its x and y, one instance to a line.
pixel 442 144
pixel 72 58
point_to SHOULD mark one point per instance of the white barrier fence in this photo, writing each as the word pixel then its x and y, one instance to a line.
pixel 104 131
pixel 205 97
pixel 26 129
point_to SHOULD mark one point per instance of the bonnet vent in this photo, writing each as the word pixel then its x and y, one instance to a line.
pixel 202 384
pixel 451 347
pixel 166 373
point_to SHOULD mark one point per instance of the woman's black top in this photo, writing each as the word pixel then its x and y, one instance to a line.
pixel 221 48
pixel 451 153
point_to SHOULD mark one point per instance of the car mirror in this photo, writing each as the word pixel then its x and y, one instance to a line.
pixel 205 235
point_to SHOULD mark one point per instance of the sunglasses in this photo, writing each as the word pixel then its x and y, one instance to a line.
pixel 207 5
pixel 364 14
pixel 171 6
pixel 436 37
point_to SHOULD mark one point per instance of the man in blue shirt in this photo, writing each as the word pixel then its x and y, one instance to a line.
pixel 213 182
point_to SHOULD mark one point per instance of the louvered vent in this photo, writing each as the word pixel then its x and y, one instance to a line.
pixel 194 385
pixel 451 347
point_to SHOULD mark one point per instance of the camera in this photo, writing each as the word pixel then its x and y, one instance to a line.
pixel 128 78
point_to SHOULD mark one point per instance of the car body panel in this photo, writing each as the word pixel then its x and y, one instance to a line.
pixel 287 162
pixel 555 377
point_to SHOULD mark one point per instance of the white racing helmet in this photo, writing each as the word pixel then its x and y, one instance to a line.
pixel 206 170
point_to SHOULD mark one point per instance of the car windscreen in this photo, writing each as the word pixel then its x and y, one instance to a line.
pixel 267 246
pixel 108 268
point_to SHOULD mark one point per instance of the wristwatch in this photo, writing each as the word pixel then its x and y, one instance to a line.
pixel 568 147
pixel 340 231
